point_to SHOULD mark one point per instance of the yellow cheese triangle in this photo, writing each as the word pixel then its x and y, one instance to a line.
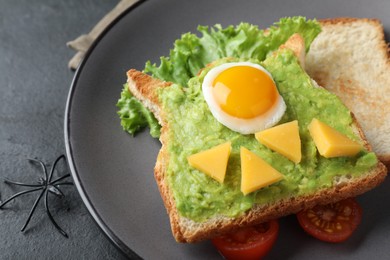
pixel 283 139
pixel 330 142
pixel 212 162
pixel 255 172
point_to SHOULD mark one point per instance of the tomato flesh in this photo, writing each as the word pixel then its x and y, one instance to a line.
pixel 332 223
pixel 248 243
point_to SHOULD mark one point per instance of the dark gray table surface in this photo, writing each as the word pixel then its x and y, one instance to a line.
pixel 34 84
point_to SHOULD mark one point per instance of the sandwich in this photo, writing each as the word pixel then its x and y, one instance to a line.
pixel 202 205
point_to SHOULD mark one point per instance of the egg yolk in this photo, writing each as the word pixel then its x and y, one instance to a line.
pixel 244 91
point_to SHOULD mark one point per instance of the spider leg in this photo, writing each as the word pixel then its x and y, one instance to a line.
pixel 54 166
pixel 17 195
pixel 64 183
pixel 42 165
pixel 20 183
pixel 32 210
pixel 51 217
pixel 55 188
pixel 59 179
pixel 56 191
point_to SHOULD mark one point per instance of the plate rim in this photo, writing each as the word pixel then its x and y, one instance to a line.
pixel 115 240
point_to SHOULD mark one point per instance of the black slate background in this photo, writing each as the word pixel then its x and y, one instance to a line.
pixel 34 84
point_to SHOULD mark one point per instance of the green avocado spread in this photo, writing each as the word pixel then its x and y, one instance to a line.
pixel 192 128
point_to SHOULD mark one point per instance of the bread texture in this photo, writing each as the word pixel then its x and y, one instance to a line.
pixel 350 58
pixel 145 88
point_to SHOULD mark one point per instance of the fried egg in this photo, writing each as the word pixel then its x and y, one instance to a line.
pixel 243 96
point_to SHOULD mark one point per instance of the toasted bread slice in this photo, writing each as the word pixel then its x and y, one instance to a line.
pixel 350 58
pixel 145 88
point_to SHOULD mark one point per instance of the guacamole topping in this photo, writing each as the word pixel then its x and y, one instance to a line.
pixel 193 52
pixel 192 129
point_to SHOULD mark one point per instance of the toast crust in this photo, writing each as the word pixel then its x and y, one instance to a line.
pixel 144 87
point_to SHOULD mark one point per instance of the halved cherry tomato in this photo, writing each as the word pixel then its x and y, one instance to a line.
pixel 248 243
pixel 332 223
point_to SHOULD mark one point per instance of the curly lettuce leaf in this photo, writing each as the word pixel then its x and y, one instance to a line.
pixel 192 53
pixel 134 116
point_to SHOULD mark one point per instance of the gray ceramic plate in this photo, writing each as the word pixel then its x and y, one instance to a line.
pixel 114 171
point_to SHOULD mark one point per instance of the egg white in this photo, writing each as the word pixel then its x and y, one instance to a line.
pixel 241 125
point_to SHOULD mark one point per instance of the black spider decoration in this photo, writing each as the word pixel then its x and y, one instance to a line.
pixel 46 186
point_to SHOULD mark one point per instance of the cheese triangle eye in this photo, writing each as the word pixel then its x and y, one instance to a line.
pixel 255 172
pixel 330 142
pixel 212 162
pixel 283 139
